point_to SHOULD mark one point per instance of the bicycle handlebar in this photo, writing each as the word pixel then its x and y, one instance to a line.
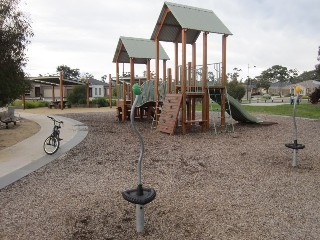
pixel 55 120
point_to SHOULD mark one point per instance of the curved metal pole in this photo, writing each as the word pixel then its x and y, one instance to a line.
pixel 140 138
pixel 294 118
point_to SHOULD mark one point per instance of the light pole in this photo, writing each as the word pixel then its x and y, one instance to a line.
pixel 248 83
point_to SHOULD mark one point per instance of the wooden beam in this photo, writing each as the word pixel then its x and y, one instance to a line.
pixel 164 70
pixel 205 109
pixel 24 101
pixel 132 79
pixel 61 90
pixel 169 80
pixel 189 77
pixel 161 23
pixel 117 80
pixel 53 97
pixel 148 74
pixel 183 80
pixel 156 89
pixel 194 68
pixel 176 68
pixel 110 90
pixel 194 63
pixel 88 94
pixel 223 80
pixel 119 52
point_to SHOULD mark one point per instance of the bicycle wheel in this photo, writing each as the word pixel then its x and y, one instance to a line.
pixel 51 145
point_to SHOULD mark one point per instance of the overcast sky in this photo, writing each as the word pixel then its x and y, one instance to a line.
pixel 84 34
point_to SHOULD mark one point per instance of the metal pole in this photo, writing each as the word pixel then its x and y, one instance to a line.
pixel 295 161
pixel 139 208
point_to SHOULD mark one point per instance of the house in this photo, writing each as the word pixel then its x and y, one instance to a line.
pixel 308 87
pixel 280 88
pixel 48 88
pixel 98 88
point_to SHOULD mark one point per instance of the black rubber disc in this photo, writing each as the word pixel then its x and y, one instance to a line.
pixel 295 146
pixel 135 196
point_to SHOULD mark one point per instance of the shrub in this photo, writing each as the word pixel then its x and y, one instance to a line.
pixel 78 95
pixel 315 96
pixel 236 90
pixel 101 102
pixel 33 104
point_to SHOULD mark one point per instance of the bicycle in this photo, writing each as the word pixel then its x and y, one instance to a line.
pixel 52 143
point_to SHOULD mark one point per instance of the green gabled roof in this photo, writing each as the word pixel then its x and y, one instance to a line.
pixel 176 17
pixel 138 48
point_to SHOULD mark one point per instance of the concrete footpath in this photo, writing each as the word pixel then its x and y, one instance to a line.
pixel 27 156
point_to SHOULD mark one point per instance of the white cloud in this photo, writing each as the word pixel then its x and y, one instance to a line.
pixel 84 34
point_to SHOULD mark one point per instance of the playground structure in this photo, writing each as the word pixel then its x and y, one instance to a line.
pixel 178 24
pixel 135 51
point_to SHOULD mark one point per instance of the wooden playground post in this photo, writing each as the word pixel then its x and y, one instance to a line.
pixel 169 80
pixel 164 71
pixel 194 66
pixel 183 80
pixel 157 81
pixel 176 69
pixel 61 90
pixel 88 93
pixel 223 81
pixel 53 97
pixel 205 109
pixel 110 91
pixel 189 89
pixel 24 101
pixel 117 78
pixel 148 74
pixel 132 81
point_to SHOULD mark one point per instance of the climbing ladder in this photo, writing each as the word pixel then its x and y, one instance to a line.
pixel 170 113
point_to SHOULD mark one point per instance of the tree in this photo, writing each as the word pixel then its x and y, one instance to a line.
pixel 104 78
pixel 235 75
pixel 236 90
pixel 15 35
pixel 262 83
pixel 318 65
pixel 86 76
pixel 69 73
pixel 278 73
pixel 306 75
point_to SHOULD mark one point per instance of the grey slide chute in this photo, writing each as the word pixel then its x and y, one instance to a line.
pixel 238 112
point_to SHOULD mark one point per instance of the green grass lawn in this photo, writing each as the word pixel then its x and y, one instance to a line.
pixel 306 110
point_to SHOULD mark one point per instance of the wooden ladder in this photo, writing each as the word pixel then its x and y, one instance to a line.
pixel 170 112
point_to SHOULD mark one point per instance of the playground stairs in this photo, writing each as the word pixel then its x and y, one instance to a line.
pixel 170 113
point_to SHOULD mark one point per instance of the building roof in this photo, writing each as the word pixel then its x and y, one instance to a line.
pixel 54 81
pixel 280 84
pixel 97 82
pixel 309 84
pixel 138 48
pixel 174 17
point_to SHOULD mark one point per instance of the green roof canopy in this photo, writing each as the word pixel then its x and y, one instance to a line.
pixel 175 17
pixel 139 49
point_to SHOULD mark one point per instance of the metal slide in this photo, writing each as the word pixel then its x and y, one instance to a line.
pixel 238 112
